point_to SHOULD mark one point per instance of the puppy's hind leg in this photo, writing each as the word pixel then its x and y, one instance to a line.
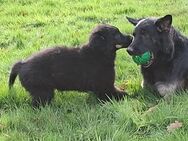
pixel 41 97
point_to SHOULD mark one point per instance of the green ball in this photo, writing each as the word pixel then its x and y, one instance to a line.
pixel 142 59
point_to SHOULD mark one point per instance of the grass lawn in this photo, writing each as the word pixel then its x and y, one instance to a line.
pixel 27 26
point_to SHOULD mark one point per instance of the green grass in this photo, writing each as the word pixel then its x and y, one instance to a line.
pixel 27 26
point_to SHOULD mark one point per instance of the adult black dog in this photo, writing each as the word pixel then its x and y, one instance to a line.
pixel 86 68
pixel 168 70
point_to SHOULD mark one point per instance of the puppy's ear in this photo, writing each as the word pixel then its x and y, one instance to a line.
pixel 100 42
pixel 97 40
pixel 100 35
pixel 164 23
pixel 133 21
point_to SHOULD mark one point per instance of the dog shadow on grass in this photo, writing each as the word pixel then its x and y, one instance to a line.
pixel 68 100
pixel 73 100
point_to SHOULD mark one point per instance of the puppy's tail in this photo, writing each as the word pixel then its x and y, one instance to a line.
pixel 14 72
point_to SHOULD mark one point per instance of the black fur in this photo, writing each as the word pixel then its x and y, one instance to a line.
pixel 86 68
pixel 169 70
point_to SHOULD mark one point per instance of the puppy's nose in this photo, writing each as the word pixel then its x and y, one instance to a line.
pixel 130 50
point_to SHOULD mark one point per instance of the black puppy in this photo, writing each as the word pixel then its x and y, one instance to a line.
pixel 86 68
pixel 168 70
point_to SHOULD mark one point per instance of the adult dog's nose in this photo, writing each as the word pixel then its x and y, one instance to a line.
pixel 130 50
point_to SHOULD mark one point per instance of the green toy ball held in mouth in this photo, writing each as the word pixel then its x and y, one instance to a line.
pixel 144 59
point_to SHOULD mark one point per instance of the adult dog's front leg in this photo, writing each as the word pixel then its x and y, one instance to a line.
pixel 146 85
pixel 166 89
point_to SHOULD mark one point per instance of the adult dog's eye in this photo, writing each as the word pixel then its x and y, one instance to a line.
pixel 143 32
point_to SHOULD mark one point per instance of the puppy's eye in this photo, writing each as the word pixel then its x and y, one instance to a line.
pixel 117 36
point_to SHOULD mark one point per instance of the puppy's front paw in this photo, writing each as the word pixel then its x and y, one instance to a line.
pixel 119 94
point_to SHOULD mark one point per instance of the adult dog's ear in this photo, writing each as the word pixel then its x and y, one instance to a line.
pixel 164 23
pixel 133 21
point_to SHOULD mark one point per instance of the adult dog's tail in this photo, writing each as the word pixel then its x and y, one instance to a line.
pixel 14 73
